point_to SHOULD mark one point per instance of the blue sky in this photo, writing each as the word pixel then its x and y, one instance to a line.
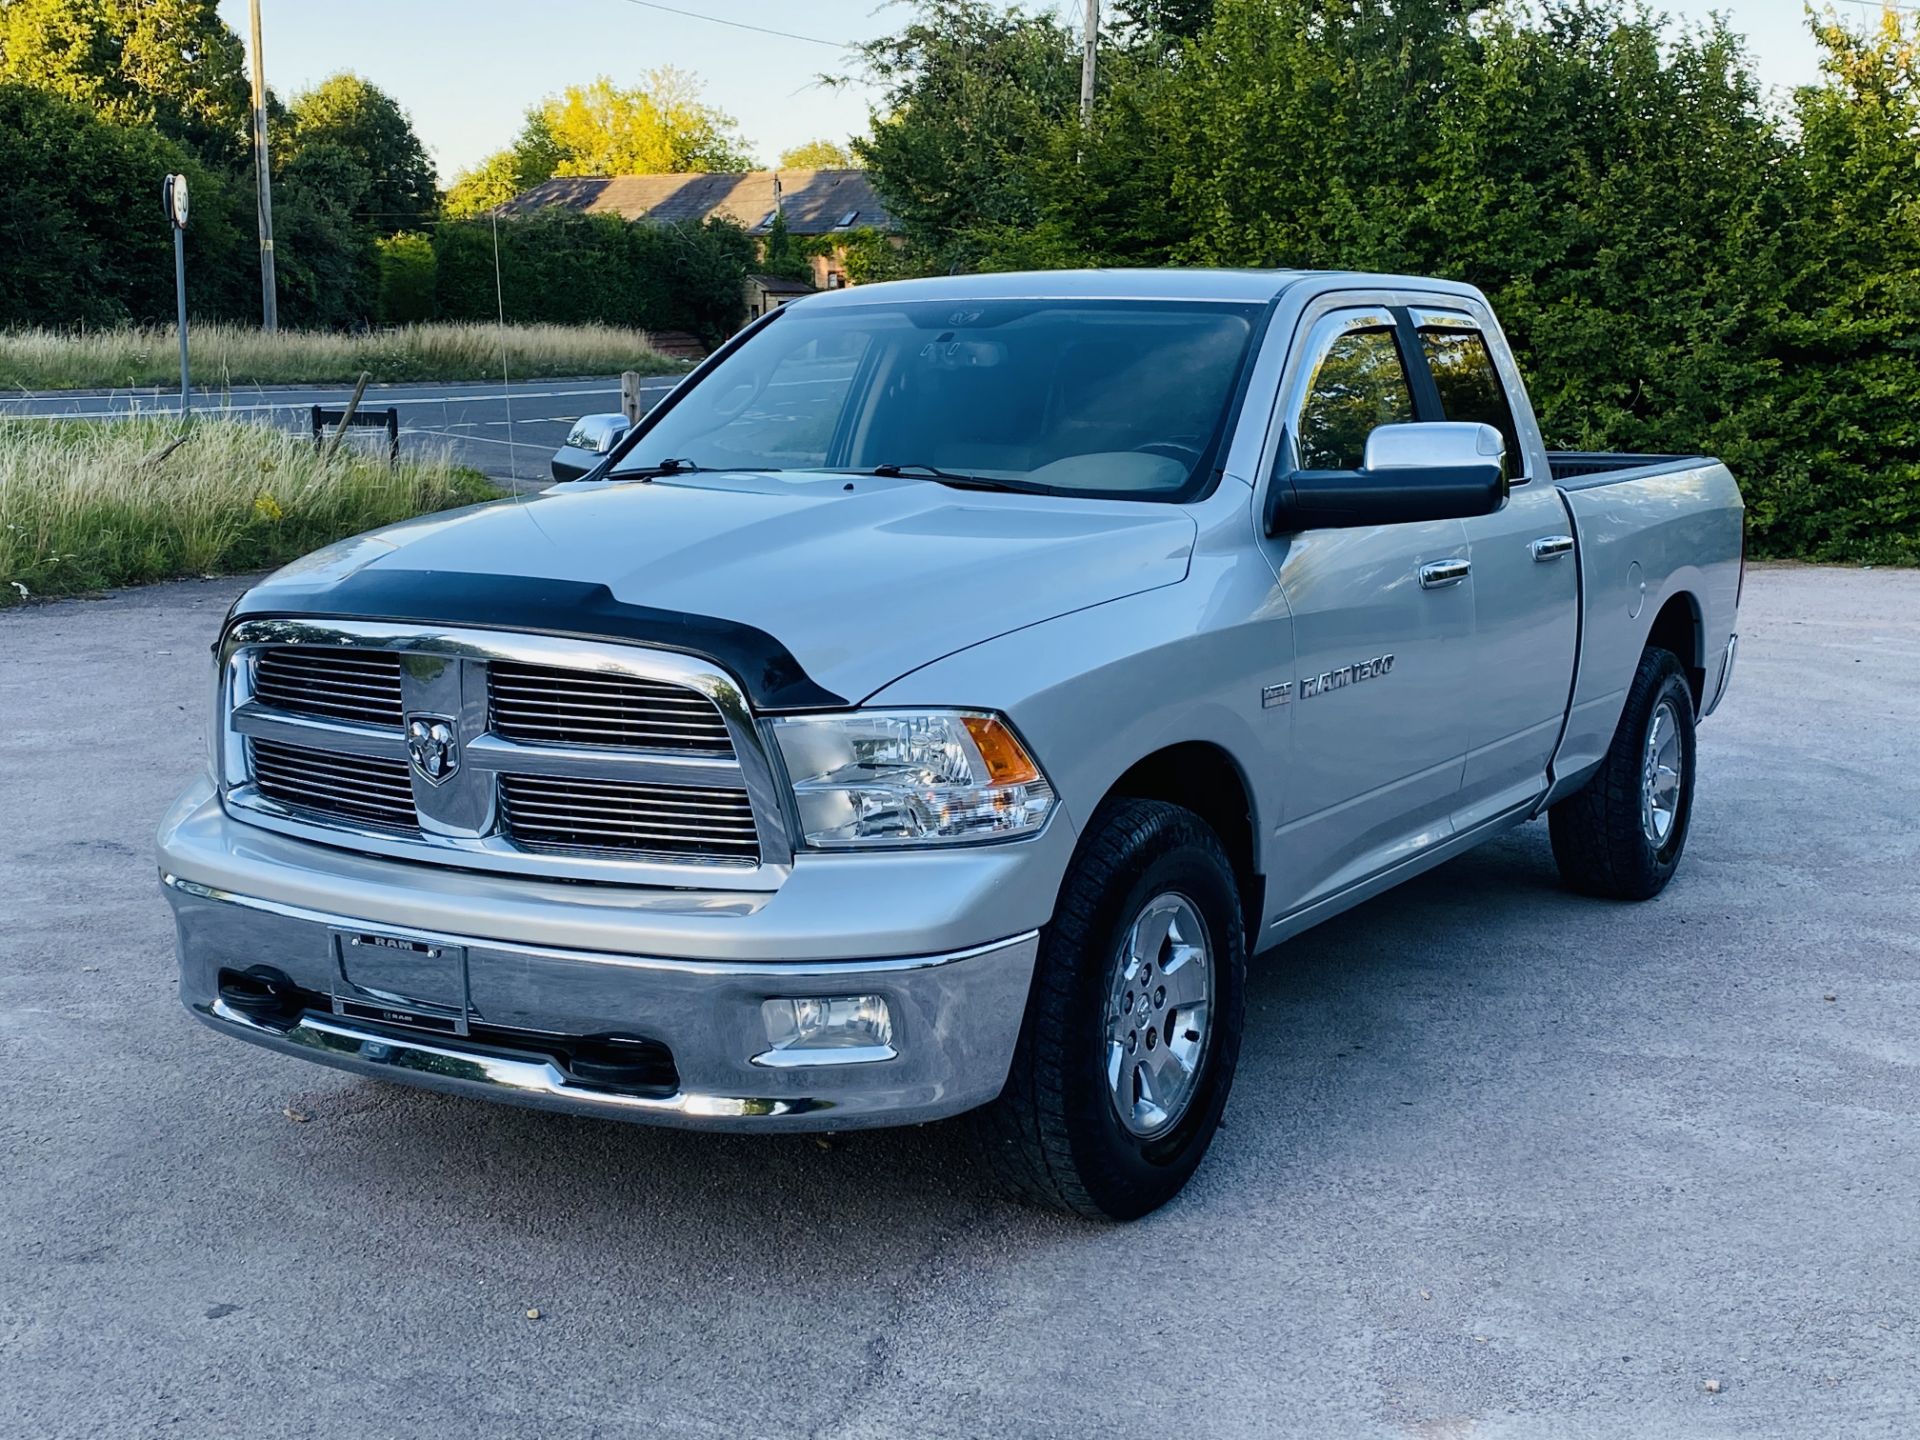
pixel 468 69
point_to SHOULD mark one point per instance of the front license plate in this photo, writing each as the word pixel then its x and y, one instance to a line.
pixel 397 980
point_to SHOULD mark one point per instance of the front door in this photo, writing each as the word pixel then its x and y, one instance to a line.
pixel 1382 617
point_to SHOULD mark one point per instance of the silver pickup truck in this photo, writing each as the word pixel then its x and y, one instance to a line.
pixel 931 705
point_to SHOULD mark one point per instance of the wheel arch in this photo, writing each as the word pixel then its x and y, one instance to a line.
pixel 1679 627
pixel 1205 778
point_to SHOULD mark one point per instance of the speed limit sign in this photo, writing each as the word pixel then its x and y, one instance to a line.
pixel 173 195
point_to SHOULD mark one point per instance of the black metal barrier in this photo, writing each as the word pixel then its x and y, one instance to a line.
pixel 388 420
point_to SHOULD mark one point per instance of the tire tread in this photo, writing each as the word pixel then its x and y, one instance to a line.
pixel 1024 1139
pixel 1597 841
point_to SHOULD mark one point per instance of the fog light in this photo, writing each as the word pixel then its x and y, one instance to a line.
pixel 826 1030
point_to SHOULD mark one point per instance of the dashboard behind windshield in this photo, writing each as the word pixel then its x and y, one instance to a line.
pixel 1120 398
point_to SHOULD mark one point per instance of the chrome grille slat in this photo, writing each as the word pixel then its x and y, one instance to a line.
pixel 592 814
pixel 330 683
pixel 560 810
pixel 361 788
pixel 557 706
pixel 338 779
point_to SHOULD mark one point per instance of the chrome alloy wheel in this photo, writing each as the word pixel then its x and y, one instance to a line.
pixel 1660 764
pixel 1157 1013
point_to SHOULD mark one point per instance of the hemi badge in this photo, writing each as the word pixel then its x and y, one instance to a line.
pixel 1275 695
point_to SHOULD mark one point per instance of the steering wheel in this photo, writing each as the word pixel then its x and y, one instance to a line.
pixel 1188 455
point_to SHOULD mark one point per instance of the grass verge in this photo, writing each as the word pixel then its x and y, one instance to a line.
pixel 85 506
pixel 222 355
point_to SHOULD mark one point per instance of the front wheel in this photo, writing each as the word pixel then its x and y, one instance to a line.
pixel 1620 835
pixel 1132 1030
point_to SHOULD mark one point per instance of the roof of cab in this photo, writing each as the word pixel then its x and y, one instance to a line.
pixel 1244 286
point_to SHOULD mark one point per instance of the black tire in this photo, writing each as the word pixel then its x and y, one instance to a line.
pixel 1599 840
pixel 1055 1136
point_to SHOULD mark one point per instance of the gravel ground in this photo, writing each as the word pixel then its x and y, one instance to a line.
pixel 1500 1162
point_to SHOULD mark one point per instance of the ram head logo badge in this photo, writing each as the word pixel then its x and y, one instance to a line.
pixel 433 748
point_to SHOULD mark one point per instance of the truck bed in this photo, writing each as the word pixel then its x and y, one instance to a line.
pixel 1577 469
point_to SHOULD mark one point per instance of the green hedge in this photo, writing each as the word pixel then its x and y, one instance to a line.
pixel 568 268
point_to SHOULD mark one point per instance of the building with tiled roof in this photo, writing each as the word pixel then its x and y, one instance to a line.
pixel 815 202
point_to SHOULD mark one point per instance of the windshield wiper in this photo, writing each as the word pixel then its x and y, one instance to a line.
pixel 674 466
pixel 959 481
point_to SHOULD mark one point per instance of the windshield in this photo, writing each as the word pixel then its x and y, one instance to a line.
pixel 1110 397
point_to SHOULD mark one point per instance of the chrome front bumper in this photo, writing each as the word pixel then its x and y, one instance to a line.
pixel 517 1008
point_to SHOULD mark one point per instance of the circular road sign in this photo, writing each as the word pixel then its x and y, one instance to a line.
pixel 174 196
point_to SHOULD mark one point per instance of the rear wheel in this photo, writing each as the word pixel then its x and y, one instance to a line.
pixel 1132 1030
pixel 1621 834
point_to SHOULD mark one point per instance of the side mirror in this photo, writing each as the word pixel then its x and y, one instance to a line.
pixel 587 444
pixel 1433 470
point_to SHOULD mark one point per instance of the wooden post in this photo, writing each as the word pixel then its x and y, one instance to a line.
pixel 630 395
pixel 346 419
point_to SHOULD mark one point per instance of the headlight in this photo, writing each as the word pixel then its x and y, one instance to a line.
pixel 910 777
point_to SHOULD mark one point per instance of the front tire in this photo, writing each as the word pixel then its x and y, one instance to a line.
pixel 1132 1031
pixel 1620 835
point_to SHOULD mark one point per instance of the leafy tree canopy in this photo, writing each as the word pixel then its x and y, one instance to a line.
pixel 368 126
pixel 657 127
pixel 172 64
pixel 818 155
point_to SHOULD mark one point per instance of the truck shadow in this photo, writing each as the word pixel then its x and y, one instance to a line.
pixel 1341 1026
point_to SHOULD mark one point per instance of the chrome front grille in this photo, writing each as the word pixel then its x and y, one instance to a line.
pixel 357 787
pixel 616 816
pixel 520 753
pixel 548 705
pixel 332 684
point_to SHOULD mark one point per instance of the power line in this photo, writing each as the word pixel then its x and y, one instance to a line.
pixel 742 25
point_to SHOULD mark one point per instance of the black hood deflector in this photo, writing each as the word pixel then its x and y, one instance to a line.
pixel 772 677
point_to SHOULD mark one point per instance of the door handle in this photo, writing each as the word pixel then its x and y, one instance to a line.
pixel 1551 547
pixel 1442 573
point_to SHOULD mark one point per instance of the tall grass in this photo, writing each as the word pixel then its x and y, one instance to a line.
pixel 87 505
pixel 221 355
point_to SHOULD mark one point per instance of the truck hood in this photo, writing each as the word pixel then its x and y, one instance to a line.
pixel 858 579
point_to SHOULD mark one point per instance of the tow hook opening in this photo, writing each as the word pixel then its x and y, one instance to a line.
pixel 621 1062
pixel 264 994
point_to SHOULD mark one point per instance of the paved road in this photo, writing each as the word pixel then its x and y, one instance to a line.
pixel 510 436
pixel 1501 1162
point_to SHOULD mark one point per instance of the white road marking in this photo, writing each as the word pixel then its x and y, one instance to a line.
pixel 482 439
pixel 164 406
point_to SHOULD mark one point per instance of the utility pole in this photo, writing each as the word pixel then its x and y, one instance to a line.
pixel 1087 61
pixel 269 302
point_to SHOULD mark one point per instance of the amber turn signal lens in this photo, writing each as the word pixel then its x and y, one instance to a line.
pixel 1007 763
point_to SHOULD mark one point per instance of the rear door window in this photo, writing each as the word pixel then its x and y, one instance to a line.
pixel 1469 386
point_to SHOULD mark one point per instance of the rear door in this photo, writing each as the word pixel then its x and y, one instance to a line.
pixel 1519 667
pixel 1378 722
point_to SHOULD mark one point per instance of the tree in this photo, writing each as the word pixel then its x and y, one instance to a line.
pixel 531 159
pixel 657 127
pixel 367 125
pixel 974 97
pixel 1849 324
pixel 81 227
pixel 781 254
pixel 1162 20
pixel 325 254
pixel 818 155
pixel 172 64
pixel 407 266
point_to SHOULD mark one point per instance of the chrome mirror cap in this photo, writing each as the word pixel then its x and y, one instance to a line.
pixel 588 443
pixel 1434 443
